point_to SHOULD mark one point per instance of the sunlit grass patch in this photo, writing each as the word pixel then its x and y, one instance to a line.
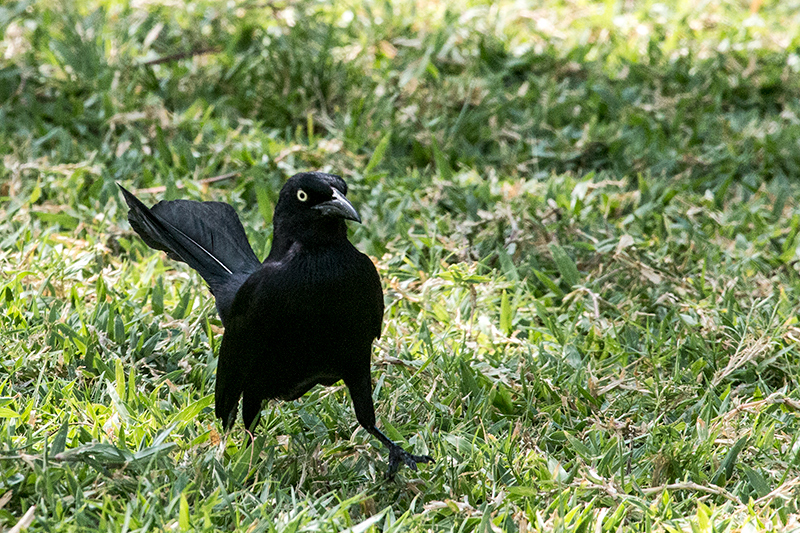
pixel 585 218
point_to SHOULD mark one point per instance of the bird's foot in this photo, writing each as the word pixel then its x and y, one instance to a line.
pixel 398 456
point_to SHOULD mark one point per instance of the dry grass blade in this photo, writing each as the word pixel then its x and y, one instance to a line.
pixel 657 345
pixel 748 351
pixel 694 487
pixel 25 521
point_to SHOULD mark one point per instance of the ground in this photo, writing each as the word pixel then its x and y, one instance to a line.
pixel 584 214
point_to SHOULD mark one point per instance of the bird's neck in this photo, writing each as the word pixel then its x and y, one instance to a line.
pixel 312 237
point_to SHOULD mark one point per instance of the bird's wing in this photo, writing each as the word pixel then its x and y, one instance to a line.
pixel 229 384
pixel 246 340
pixel 372 278
pixel 234 367
pixel 252 356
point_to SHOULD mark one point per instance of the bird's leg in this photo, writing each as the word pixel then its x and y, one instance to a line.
pixel 361 393
pixel 251 415
pixel 397 454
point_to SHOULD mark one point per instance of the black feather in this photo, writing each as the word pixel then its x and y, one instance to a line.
pixel 207 236
pixel 305 316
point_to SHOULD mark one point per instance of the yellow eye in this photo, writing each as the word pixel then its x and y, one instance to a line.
pixel 302 195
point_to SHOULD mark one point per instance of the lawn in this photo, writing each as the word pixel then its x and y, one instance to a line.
pixel 585 215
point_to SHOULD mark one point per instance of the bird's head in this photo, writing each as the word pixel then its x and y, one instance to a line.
pixel 313 206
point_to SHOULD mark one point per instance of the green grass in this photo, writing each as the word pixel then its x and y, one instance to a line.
pixel 585 215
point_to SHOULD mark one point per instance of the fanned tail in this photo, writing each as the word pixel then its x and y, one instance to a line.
pixel 208 236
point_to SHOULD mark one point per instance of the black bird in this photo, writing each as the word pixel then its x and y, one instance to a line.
pixel 308 314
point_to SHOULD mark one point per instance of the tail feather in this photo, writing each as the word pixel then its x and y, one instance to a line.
pixel 207 236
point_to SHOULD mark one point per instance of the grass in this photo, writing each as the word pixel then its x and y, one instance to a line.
pixel 584 214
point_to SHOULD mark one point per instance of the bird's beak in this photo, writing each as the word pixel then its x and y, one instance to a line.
pixel 338 206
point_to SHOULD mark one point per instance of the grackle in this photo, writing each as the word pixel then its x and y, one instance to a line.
pixel 308 314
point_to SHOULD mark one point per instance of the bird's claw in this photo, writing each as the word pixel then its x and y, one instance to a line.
pixel 398 455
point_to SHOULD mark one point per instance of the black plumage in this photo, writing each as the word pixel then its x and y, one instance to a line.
pixel 307 315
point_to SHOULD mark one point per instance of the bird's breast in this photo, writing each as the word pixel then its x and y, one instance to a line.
pixel 327 289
